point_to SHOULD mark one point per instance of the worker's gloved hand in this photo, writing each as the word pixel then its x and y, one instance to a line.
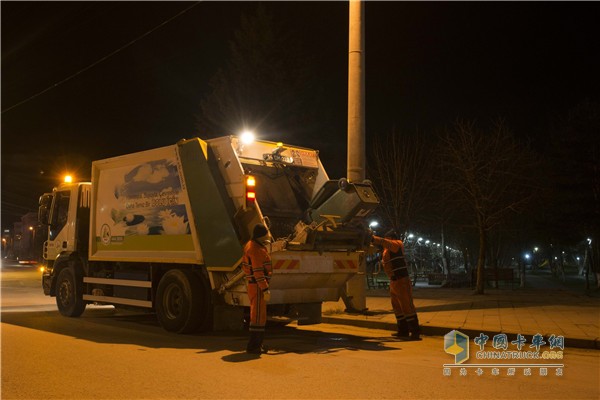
pixel 267 295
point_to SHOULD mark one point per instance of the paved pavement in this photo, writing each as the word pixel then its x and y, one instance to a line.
pixel 546 305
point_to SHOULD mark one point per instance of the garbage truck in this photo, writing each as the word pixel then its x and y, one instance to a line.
pixel 164 230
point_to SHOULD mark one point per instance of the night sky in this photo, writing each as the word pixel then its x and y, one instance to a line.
pixel 427 63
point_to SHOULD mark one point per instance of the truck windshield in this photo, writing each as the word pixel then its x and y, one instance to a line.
pixel 60 213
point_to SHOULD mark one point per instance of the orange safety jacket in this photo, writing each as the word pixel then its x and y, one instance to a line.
pixel 256 264
pixel 394 264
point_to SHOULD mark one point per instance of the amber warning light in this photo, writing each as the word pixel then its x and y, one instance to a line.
pixel 250 190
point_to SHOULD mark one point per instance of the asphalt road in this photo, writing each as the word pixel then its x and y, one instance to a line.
pixel 106 354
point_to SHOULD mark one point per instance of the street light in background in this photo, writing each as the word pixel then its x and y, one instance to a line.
pixel 373 225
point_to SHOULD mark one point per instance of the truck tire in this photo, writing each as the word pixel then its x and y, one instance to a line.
pixel 180 301
pixel 69 295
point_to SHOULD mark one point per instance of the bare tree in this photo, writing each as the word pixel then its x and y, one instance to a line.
pixel 399 169
pixel 268 84
pixel 446 213
pixel 490 171
pixel 575 178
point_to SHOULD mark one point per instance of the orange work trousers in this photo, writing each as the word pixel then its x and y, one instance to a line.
pixel 258 308
pixel 402 299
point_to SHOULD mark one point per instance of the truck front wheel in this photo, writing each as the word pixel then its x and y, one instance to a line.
pixel 179 301
pixel 69 299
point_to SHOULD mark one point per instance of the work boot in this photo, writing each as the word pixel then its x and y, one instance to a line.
pixel 261 337
pixel 402 329
pixel 255 343
pixel 415 330
pixel 253 346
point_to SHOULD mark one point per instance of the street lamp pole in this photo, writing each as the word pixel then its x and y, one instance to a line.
pixel 355 288
pixel 356 93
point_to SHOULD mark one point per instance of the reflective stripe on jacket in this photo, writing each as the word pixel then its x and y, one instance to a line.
pixel 256 264
pixel 394 263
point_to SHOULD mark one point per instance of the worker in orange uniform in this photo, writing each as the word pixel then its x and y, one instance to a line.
pixel 396 268
pixel 256 264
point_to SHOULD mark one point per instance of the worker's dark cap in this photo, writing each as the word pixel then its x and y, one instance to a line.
pixel 391 234
pixel 259 231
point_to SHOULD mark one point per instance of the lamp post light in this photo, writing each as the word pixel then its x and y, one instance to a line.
pixel 373 225
pixel 247 137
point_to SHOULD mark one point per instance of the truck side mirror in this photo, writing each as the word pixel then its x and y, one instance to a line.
pixel 44 209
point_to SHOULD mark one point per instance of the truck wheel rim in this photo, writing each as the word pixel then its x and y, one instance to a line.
pixel 64 292
pixel 173 301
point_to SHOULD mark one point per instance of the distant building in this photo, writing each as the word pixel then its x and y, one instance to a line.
pixel 27 239
pixel 7 244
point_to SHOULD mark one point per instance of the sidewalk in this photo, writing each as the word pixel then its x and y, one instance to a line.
pixel 539 308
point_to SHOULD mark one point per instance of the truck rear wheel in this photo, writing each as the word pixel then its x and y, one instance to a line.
pixel 180 301
pixel 69 298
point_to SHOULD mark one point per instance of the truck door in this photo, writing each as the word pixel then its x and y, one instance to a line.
pixel 58 232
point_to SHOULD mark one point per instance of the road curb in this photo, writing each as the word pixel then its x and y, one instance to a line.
pixel 429 330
